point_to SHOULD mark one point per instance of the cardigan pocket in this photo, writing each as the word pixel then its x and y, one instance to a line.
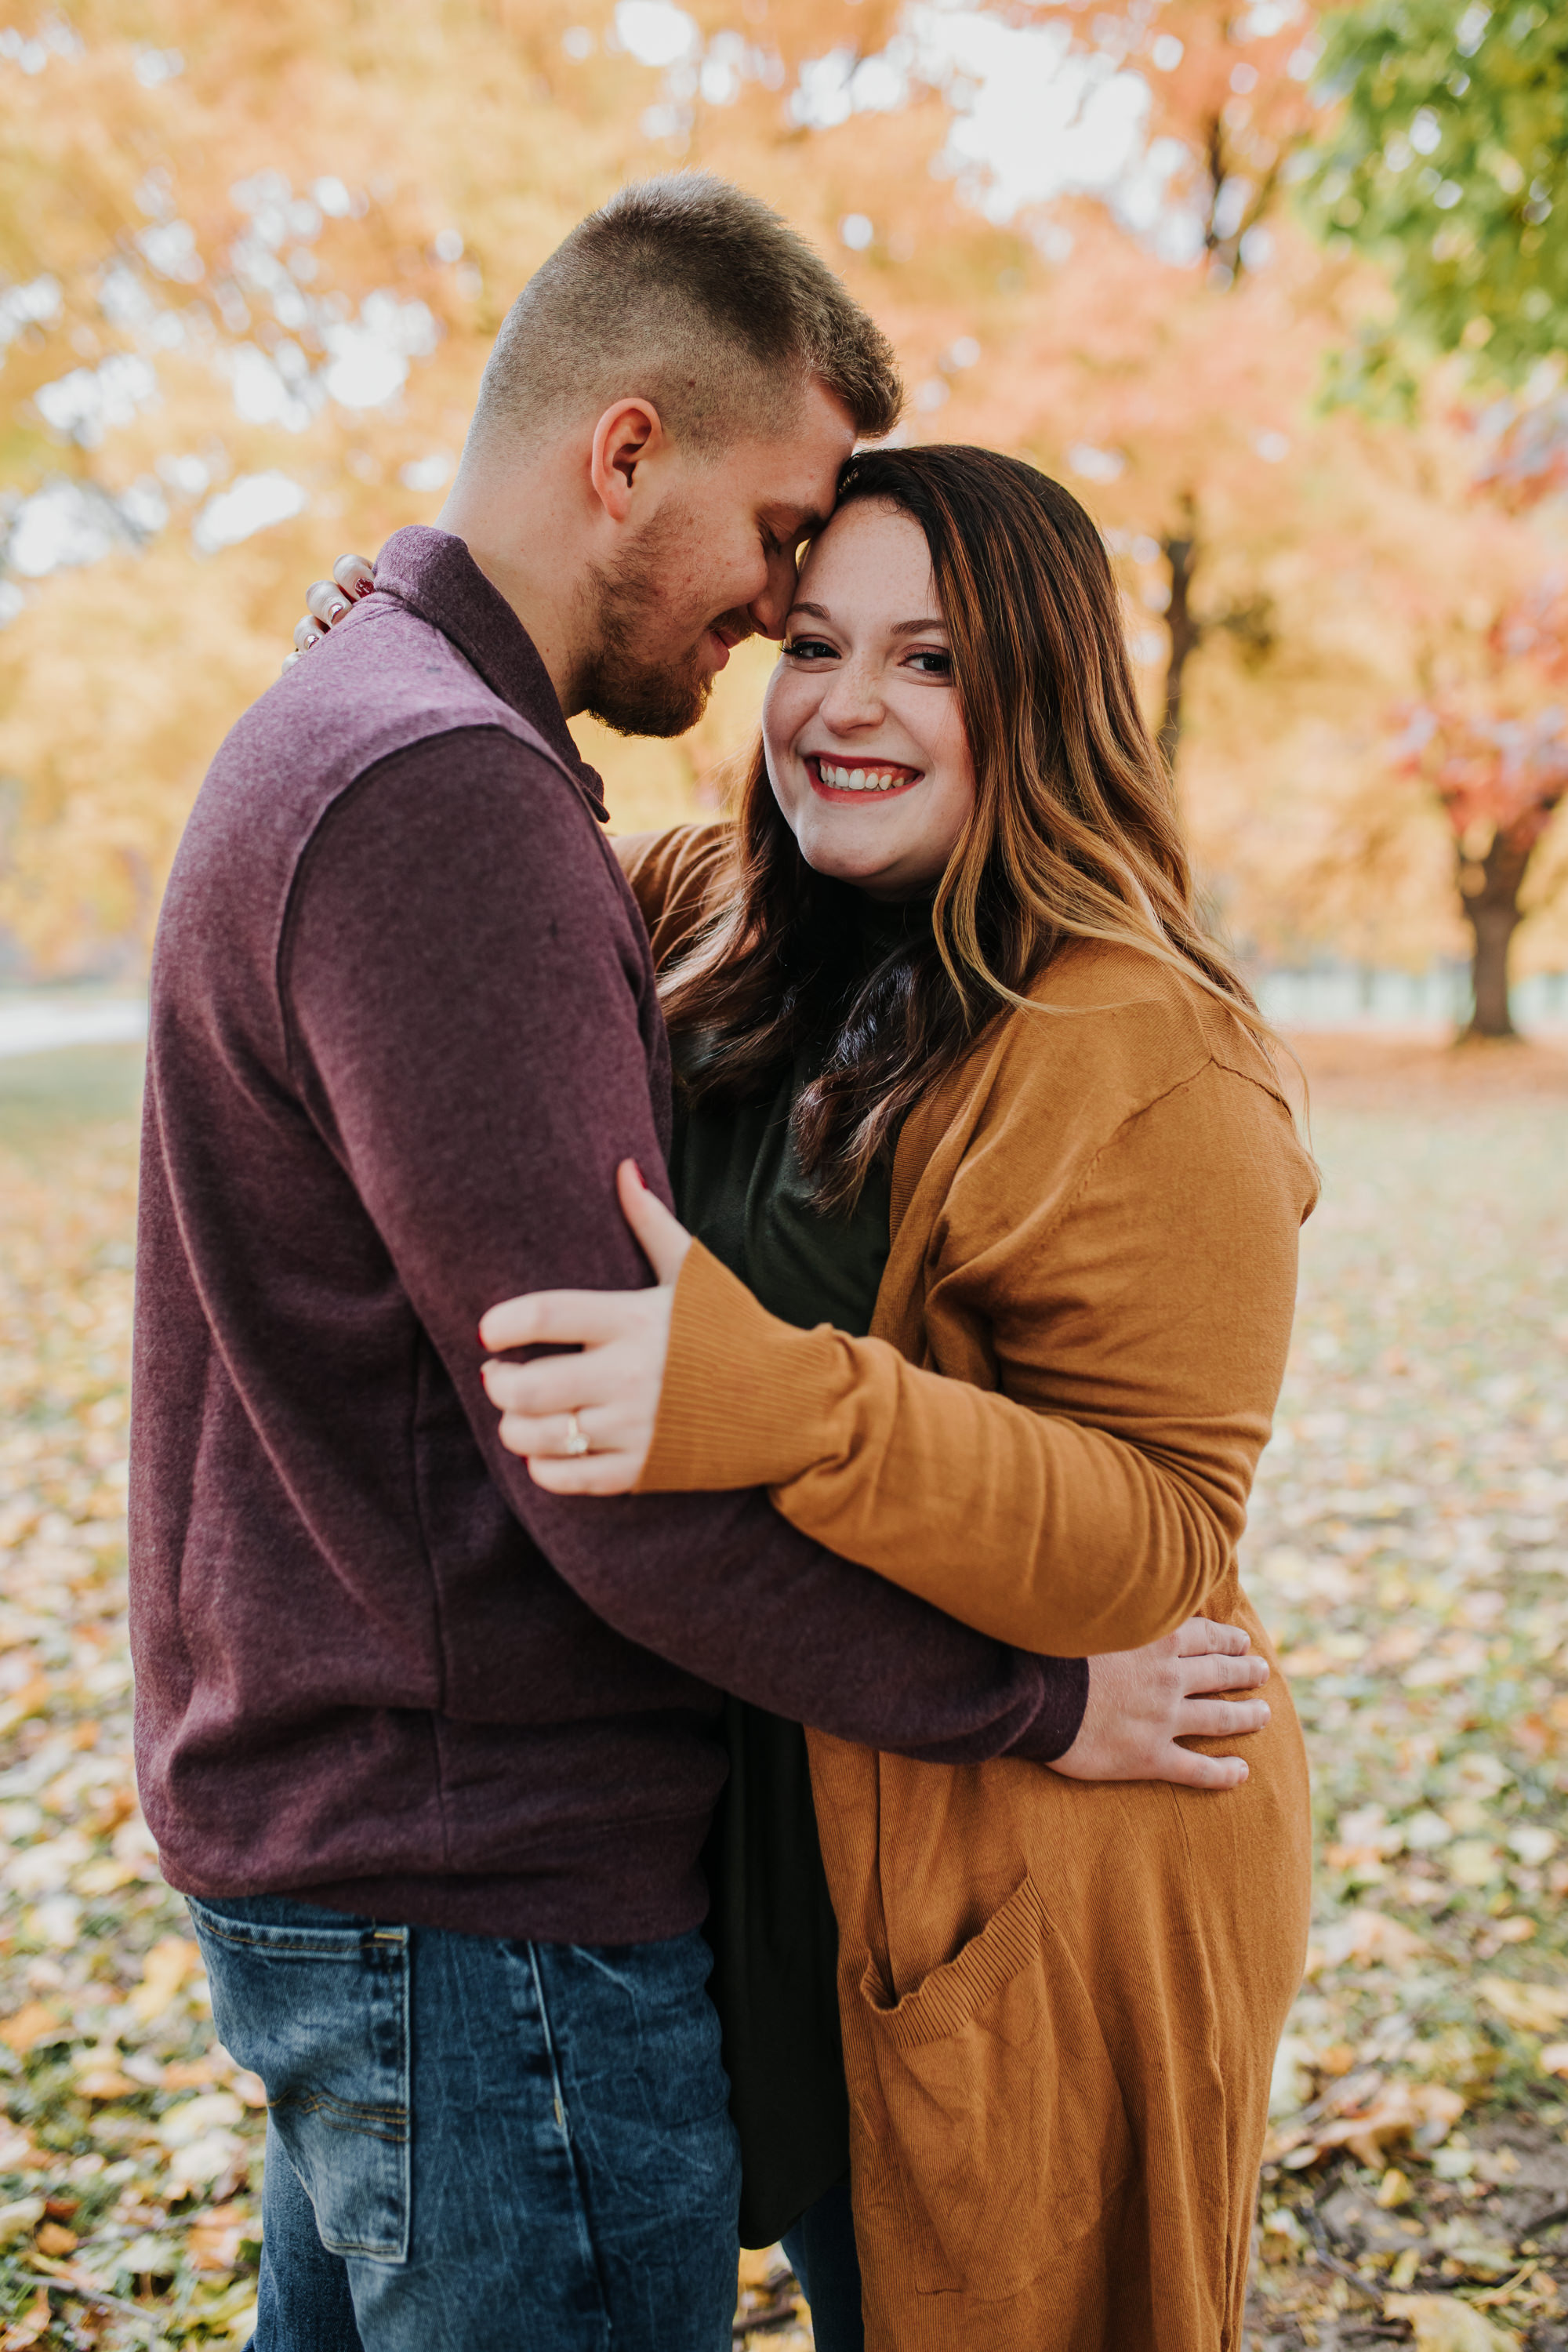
pixel 1006 2115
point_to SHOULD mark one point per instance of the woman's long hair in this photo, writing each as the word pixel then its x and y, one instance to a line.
pixel 1074 834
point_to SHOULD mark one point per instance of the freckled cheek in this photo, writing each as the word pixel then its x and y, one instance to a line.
pixel 944 815
pixel 958 770
pixel 786 707
pixel 957 817
pixel 960 798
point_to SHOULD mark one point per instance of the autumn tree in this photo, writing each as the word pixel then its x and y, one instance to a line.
pixel 1229 108
pixel 218 292
pixel 1164 347
pixel 255 260
pixel 251 264
pixel 1445 160
pixel 1497 761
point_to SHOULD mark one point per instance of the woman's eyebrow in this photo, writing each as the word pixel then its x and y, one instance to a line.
pixel 898 629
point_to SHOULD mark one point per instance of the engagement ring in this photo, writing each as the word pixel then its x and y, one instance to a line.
pixel 575 1441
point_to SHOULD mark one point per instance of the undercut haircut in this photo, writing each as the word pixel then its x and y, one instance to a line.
pixel 687 292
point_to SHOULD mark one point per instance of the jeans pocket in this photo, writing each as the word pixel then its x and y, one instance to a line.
pixel 321 2015
pixel 1006 2115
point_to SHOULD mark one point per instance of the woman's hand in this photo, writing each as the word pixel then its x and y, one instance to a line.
pixel 584 1423
pixel 329 599
pixel 1141 1702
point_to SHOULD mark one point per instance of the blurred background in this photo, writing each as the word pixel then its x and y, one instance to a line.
pixel 1279 294
pixel 1282 294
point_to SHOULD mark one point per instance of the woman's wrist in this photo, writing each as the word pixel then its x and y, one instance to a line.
pixel 743 1393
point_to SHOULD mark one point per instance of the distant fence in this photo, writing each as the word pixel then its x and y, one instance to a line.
pixel 1357 997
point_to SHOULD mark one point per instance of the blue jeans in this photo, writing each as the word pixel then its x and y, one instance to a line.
pixel 473 2141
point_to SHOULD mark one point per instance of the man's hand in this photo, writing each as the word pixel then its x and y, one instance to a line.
pixel 329 599
pixel 1141 1702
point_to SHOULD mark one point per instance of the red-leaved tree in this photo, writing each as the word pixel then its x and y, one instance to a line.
pixel 1498 761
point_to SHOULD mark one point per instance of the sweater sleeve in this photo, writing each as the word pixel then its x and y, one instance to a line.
pixel 1090 1498
pixel 470 1009
pixel 674 876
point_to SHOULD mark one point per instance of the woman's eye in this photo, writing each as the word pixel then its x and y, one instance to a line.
pixel 931 661
pixel 810 649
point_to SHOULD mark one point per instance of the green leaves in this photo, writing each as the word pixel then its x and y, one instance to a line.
pixel 1449 164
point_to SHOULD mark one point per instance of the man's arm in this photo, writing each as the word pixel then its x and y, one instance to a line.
pixel 470 1011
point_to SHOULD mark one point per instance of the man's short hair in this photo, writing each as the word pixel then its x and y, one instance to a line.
pixel 693 294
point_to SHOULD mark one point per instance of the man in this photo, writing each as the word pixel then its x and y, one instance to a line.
pixel 433 1752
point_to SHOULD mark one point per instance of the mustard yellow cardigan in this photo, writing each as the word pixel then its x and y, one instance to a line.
pixel 1060 2002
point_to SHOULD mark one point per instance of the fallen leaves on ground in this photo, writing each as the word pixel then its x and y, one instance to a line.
pixel 772 2310
pixel 1442 2323
pixel 130 2143
pixel 1408 1548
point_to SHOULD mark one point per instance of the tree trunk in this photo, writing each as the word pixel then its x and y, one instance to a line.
pixel 1490 889
pixel 1180 555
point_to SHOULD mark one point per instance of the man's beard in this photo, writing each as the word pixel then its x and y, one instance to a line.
pixel 619 685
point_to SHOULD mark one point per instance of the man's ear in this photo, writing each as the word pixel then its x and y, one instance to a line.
pixel 625 437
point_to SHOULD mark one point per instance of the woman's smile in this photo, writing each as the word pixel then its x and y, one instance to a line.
pixel 837 778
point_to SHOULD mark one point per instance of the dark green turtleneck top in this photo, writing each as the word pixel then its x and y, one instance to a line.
pixel 740 1189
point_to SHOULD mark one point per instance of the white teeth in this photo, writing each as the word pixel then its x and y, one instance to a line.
pixel 858 780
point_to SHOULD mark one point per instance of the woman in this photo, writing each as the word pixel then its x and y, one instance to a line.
pixel 956 1054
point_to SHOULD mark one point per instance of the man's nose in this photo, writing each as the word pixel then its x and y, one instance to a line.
pixel 768 611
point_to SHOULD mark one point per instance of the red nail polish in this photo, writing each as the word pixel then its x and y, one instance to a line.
pixel 636 1172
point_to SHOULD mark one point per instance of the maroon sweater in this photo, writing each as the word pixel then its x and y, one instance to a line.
pixel 403 1026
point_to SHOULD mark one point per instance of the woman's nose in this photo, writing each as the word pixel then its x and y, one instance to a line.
pixel 854 697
